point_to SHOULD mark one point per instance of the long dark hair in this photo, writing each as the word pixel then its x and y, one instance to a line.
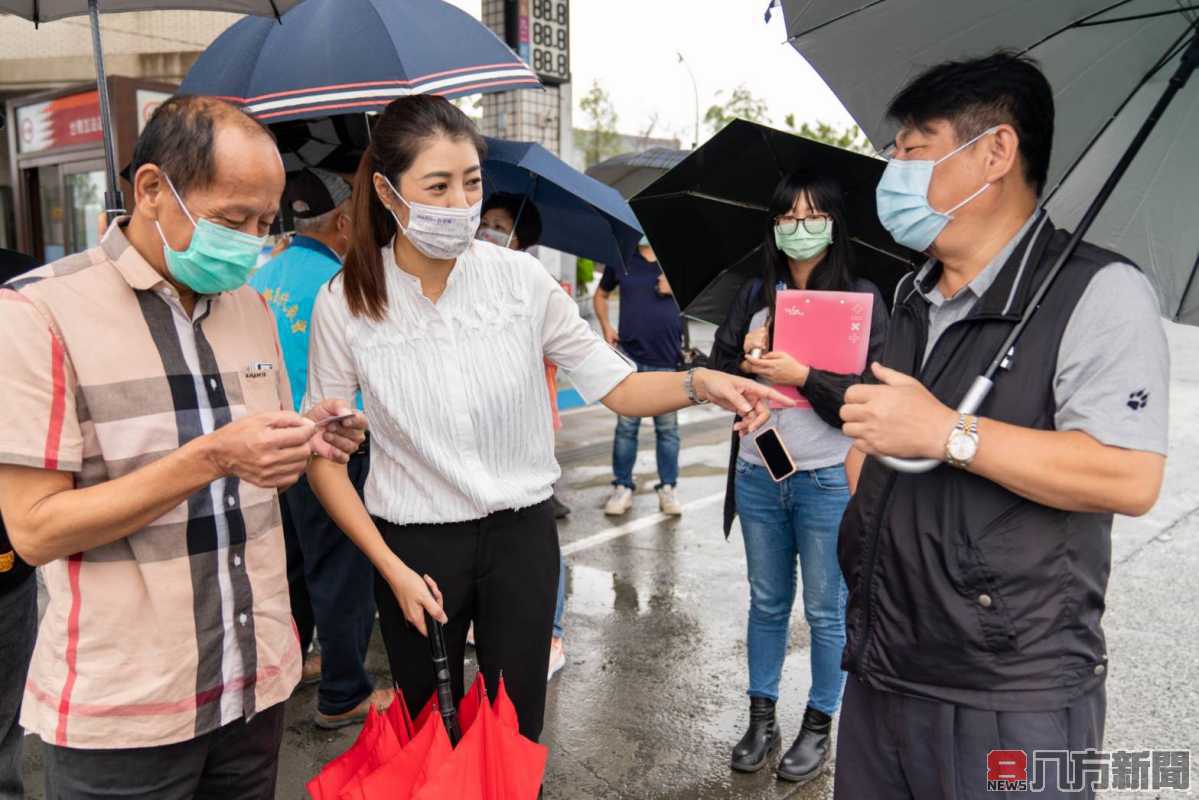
pixel 397 138
pixel 835 271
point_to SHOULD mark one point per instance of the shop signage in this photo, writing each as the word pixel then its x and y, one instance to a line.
pixel 62 122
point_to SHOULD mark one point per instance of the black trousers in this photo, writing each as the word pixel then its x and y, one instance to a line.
pixel 500 572
pixel 337 579
pixel 238 761
pixel 18 630
pixel 895 747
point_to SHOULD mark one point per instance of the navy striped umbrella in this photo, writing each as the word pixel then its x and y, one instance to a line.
pixel 346 56
pixel 39 11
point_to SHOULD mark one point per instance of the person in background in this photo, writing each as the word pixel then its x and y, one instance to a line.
pixel 976 589
pixel 18 616
pixel 512 221
pixel 14 263
pixel 651 333
pixel 446 338
pixel 146 429
pixel 330 580
pixel 807 246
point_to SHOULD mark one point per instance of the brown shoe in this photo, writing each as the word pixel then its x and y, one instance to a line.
pixel 380 699
pixel 310 673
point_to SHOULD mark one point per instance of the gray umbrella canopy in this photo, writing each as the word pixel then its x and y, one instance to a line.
pixel 1107 60
pixel 47 10
pixel 629 173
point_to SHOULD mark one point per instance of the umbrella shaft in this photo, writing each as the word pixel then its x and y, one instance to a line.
pixel 1190 61
pixel 114 204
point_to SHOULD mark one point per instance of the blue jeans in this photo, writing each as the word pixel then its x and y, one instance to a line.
pixel 780 522
pixel 624 449
pixel 560 608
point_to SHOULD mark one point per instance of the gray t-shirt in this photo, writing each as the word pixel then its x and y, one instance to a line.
pixel 1113 367
pixel 811 441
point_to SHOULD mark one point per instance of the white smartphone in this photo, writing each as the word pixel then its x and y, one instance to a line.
pixel 770 446
pixel 327 421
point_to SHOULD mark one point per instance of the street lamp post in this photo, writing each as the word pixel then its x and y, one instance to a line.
pixel 695 88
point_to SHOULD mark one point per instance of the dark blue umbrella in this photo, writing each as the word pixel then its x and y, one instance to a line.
pixel 579 215
pixel 346 56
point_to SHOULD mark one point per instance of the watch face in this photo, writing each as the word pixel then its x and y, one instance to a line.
pixel 962 446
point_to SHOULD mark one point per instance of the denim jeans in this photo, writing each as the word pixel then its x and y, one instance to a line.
pixel 797 518
pixel 560 608
pixel 624 449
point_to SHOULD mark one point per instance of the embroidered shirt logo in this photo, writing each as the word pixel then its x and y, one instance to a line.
pixel 259 369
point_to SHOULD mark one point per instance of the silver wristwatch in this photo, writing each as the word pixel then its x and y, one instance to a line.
pixel 962 445
pixel 689 388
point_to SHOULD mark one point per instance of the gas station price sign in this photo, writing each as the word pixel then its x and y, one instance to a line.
pixel 539 31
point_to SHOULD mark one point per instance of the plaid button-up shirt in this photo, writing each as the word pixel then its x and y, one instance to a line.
pixel 184 625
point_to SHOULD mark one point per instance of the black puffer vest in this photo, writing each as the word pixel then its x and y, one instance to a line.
pixel 959 589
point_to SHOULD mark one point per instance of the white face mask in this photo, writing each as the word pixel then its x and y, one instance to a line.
pixel 438 232
pixel 495 236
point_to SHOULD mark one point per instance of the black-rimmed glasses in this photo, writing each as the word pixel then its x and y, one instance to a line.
pixel 815 224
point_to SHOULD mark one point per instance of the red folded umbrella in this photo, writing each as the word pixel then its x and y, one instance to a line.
pixel 409 770
pixel 341 770
pixel 390 762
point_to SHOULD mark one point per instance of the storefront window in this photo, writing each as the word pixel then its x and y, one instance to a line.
pixel 85 198
pixel 53 215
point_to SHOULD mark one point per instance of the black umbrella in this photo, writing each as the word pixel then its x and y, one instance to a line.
pixel 706 217
pixel 38 11
pixel 445 687
pixel 1116 69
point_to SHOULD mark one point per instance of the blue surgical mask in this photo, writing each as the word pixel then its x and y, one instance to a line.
pixel 902 198
pixel 218 259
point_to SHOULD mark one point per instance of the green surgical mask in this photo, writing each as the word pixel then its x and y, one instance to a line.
pixel 218 259
pixel 802 245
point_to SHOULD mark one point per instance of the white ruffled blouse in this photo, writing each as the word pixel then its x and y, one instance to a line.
pixel 455 391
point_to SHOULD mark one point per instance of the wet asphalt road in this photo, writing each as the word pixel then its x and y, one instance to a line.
pixel 652 697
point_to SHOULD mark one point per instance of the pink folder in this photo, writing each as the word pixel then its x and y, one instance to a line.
pixel 825 330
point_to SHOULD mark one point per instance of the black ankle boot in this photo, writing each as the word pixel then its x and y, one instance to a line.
pixel 760 740
pixel 809 754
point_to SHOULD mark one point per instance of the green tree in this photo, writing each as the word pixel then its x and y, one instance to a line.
pixel 741 104
pixel 600 140
pixel 850 138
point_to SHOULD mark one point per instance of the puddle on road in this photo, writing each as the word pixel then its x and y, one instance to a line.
pixel 597 592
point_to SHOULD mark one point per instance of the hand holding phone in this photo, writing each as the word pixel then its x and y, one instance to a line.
pixel 327 421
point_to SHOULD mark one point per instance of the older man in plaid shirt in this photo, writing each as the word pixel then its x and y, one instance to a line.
pixel 146 430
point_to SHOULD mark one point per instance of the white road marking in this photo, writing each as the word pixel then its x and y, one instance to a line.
pixel 620 531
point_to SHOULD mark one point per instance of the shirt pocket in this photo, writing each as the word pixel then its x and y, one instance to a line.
pixel 259 390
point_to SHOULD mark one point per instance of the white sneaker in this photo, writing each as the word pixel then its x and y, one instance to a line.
pixel 557 658
pixel 668 502
pixel 619 502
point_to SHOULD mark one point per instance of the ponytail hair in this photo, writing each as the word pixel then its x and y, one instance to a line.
pixel 398 136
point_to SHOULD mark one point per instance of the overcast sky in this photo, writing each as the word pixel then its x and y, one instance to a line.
pixel 630 47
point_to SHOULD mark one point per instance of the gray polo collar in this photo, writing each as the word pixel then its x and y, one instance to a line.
pixel 982 281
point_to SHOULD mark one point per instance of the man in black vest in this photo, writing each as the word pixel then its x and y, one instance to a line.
pixel 976 589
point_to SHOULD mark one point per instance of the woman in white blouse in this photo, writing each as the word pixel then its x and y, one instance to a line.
pixel 445 337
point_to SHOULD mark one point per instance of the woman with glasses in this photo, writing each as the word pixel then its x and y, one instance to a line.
pixel 807 246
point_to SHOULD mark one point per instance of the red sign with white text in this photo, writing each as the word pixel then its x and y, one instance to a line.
pixel 63 122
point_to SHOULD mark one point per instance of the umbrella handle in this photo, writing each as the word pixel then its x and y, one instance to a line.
pixel 970 404
pixel 445 687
